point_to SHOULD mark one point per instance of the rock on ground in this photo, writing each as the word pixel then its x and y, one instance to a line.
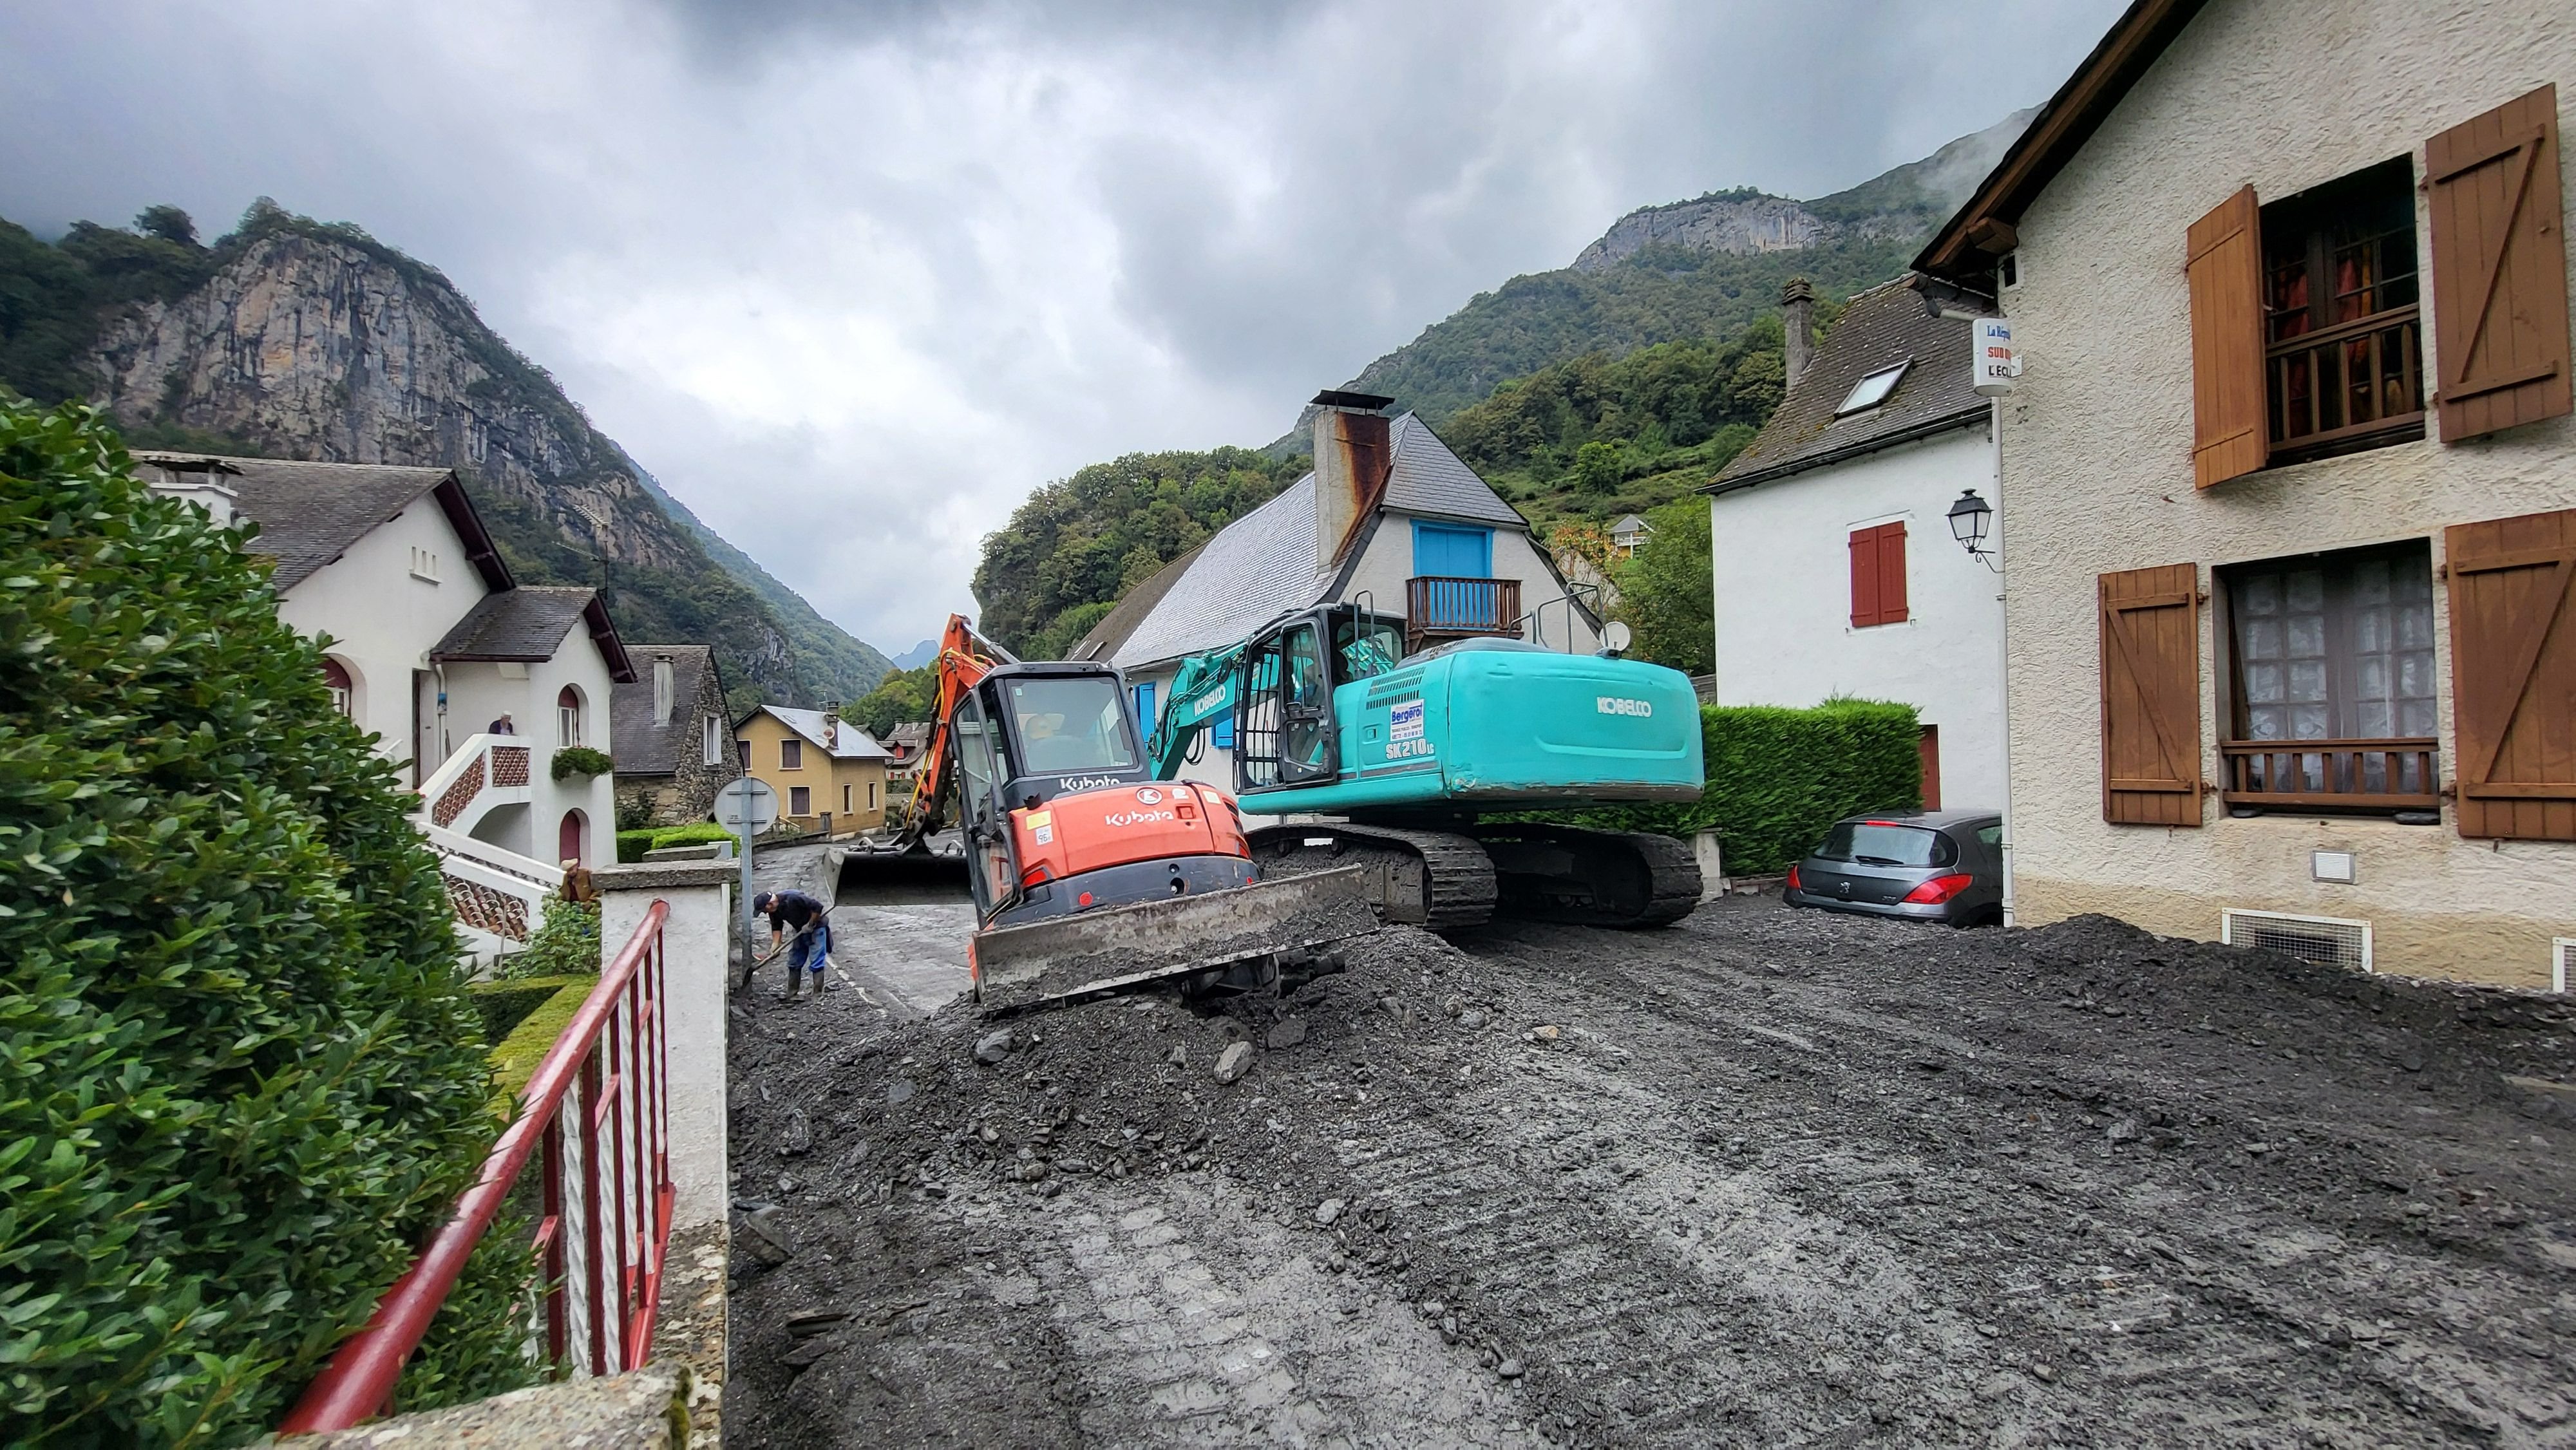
pixel 1774 1177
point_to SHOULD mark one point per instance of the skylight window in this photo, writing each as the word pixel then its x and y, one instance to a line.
pixel 1871 391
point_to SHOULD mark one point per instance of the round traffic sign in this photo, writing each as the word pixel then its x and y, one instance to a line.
pixel 747 806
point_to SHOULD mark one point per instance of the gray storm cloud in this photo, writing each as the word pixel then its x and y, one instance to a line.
pixel 853 279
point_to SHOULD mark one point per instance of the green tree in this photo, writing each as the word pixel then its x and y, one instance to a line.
pixel 1665 590
pixel 168 223
pixel 244 1077
pixel 1600 466
pixel 901 696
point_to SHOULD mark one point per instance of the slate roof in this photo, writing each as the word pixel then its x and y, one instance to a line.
pixel 1429 479
pixel 1884 326
pixel 528 624
pixel 1264 563
pixel 856 744
pixel 310 513
pixel 643 746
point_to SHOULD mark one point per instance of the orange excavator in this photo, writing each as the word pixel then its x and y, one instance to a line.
pixel 1089 875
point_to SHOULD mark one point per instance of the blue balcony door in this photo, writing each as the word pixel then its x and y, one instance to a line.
pixel 1447 551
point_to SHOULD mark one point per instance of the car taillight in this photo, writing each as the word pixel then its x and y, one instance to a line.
pixel 1793 880
pixel 1939 889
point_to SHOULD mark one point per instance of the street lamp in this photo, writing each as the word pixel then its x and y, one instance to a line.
pixel 1968 520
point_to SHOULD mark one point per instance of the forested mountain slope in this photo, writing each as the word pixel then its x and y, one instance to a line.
pixel 296 339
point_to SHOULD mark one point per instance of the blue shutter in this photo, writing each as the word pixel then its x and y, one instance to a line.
pixel 1451 552
pixel 1145 707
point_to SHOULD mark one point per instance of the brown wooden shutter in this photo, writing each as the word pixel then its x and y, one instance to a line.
pixel 1864 577
pixel 2151 696
pixel 1891 574
pixel 2225 264
pixel 2513 675
pixel 2499 268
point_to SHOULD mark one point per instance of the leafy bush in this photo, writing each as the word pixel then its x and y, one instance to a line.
pixel 1778 777
pixel 244 1078
pixel 515 1060
pixel 574 760
pixel 1666 590
pixel 505 1004
pixel 631 845
pixel 566 942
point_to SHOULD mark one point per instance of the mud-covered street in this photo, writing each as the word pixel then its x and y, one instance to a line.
pixel 1766 1177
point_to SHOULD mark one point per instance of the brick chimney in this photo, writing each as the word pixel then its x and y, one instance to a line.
pixel 1798 323
pixel 832 725
pixel 1353 455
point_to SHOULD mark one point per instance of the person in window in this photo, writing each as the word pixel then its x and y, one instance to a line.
pixel 1308 702
pixel 812 948
pixel 1042 737
pixel 501 726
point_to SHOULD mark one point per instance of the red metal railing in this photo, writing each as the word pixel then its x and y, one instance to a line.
pixel 599 1111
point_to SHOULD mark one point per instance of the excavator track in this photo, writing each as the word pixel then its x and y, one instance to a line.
pixel 1596 878
pixel 1435 879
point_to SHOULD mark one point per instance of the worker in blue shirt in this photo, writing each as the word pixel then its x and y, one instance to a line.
pixel 813 941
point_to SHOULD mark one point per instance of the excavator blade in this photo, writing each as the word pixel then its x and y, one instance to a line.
pixel 1241 932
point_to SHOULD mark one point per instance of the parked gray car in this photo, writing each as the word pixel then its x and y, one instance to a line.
pixel 1944 866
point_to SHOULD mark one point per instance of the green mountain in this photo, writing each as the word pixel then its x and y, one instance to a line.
pixel 292 338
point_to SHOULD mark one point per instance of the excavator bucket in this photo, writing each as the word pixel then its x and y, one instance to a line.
pixel 1242 936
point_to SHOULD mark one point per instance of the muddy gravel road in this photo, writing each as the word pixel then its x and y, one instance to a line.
pixel 1768 1177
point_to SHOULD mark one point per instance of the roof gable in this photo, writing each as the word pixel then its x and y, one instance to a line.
pixel 529 624
pixel 1890 325
pixel 644 745
pixel 310 513
pixel 856 744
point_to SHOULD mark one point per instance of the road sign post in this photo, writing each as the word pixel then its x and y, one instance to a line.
pixel 746 806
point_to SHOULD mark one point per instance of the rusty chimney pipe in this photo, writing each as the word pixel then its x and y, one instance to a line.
pixel 1354 452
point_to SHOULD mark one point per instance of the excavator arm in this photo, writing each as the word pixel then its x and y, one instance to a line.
pixel 965 657
pixel 1202 692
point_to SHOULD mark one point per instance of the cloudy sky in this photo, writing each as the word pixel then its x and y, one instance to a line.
pixel 853 278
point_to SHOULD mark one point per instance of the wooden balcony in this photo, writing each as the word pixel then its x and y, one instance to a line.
pixel 2362 775
pixel 2346 385
pixel 1438 609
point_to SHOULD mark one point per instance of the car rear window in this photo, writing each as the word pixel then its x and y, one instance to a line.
pixel 1882 843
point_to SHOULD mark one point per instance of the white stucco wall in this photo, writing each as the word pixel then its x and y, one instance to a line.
pixel 1781 561
pixel 1388 562
pixel 2097 467
pixel 383 618
pixel 478 692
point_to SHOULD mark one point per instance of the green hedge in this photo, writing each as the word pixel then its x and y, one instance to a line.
pixel 1778 777
pixel 505 1005
pixel 243 1077
pixel 631 845
pixel 574 760
pixel 515 1060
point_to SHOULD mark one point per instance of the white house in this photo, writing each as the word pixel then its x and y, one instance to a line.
pixel 1834 564
pixel 431 642
pixel 1389 518
pixel 1627 533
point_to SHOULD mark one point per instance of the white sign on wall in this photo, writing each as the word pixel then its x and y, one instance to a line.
pixel 1993 360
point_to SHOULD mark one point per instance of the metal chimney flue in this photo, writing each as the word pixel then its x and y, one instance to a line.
pixel 1354 453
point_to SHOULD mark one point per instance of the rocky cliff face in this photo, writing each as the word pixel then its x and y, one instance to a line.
pixel 1898 204
pixel 316 342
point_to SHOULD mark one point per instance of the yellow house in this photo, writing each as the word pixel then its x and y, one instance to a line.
pixel 829 775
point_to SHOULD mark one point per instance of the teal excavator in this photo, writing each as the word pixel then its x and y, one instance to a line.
pixel 1402 766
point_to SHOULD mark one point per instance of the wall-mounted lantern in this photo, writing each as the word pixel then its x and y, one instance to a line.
pixel 1968 520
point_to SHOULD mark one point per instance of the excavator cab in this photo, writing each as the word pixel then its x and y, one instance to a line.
pixel 1026 734
pixel 1286 732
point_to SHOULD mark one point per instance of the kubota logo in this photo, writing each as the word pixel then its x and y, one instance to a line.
pixel 1137 818
pixel 1149 797
pixel 1622 705
pixel 1084 782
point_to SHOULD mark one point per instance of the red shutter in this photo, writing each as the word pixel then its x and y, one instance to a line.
pixel 2499 268
pixel 2150 622
pixel 2224 262
pixel 1891 574
pixel 2513 675
pixel 1864 577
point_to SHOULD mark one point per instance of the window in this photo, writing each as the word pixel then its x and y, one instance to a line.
pixel 568 717
pixel 335 677
pixel 1887 843
pixel 1445 551
pixel 1068 724
pixel 2331 654
pixel 791 754
pixel 711 745
pixel 1871 391
pixel 2342 342
pixel 742 753
pixel 800 800
pixel 1878 575
pixel 2008 270
pixel 845 800
pixel 872 795
pixel 424 564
